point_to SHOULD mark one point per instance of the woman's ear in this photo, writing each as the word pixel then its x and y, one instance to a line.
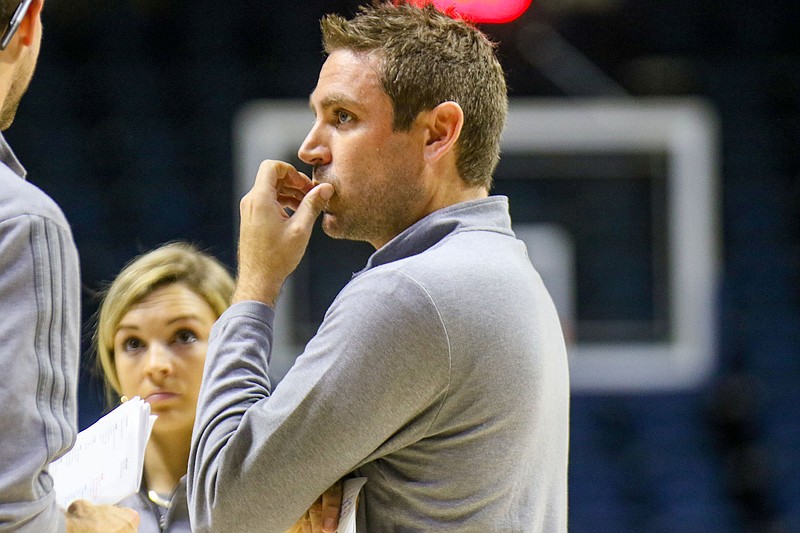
pixel 27 28
pixel 444 123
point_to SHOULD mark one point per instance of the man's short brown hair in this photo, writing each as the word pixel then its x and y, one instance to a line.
pixel 427 58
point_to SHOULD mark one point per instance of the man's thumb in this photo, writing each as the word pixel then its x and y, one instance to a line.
pixel 313 204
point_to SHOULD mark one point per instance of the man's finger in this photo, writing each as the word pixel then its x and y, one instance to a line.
pixel 315 516
pixel 274 175
pixel 268 175
pixel 312 205
pixel 331 507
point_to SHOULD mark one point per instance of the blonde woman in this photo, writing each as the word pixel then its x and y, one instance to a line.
pixel 151 341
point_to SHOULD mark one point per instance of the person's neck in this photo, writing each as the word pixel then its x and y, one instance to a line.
pixel 5 83
pixel 165 461
pixel 459 195
pixel 446 187
pixel 452 193
pixel 467 194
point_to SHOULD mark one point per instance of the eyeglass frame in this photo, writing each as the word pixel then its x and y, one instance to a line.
pixel 13 24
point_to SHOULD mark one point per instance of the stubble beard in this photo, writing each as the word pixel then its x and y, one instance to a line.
pixel 376 218
pixel 335 220
pixel 342 225
pixel 19 85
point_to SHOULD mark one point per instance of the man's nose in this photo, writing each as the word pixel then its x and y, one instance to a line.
pixel 315 150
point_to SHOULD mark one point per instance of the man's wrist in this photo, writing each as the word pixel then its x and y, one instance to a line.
pixel 266 293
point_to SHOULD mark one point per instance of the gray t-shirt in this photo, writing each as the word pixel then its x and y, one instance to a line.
pixel 439 373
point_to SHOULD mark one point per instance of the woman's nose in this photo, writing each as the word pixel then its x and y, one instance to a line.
pixel 158 362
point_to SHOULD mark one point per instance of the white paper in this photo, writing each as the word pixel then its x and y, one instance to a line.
pixel 106 463
pixel 347 516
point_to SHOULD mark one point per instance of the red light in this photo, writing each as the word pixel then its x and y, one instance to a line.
pixel 488 11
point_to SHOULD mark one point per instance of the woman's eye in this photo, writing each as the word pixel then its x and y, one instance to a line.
pixel 131 344
pixel 185 336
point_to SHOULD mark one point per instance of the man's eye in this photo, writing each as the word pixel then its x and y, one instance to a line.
pixel 185 336
pixel 343 117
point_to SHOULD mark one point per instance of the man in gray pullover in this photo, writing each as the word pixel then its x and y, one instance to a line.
pixel 39 320
pixel 439 372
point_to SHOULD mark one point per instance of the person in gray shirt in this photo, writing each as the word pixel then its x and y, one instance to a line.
pixel 439 372
pixel 39 320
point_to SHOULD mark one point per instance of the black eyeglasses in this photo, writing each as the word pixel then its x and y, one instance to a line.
pixel 13 24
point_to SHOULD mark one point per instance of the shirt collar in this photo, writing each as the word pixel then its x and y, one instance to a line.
pixel 485 214
pixel 9 159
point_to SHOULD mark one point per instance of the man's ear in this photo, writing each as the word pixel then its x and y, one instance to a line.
pixel 444 123
pixel 27 28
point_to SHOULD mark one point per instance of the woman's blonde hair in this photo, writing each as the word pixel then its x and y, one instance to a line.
pixel 175 262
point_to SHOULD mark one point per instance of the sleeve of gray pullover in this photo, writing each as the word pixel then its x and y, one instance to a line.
pixel 379 360
pixel 39 348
